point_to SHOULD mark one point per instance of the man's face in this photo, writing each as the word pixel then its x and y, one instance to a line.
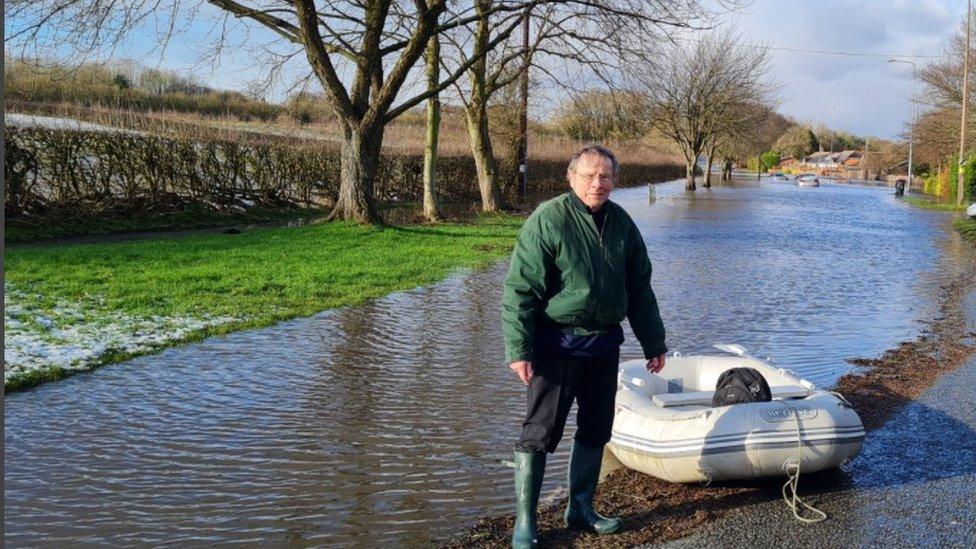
pixel 592 180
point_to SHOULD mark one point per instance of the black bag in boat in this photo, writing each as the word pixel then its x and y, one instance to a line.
pixel 740 385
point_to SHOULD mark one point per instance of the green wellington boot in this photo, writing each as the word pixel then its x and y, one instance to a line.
pixel 529 469
pixel 584 471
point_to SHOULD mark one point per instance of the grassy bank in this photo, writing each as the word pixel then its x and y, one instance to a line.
pixel 16 231
pixel 932 204
pixel 966 227
pixel 73 308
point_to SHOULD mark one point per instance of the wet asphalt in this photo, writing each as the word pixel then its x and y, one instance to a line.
pixel 913 485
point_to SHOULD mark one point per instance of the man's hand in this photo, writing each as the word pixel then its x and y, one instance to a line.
pixel 524 370
pixel 656 364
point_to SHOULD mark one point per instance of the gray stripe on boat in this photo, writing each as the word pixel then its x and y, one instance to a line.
pixel 736 448
pixel 741 435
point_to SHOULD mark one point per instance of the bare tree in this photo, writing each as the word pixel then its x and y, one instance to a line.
pixel 936 129
pixel 698 88
pixel 588 36
pixel 758 129
pixel 361 53
pixel 742 128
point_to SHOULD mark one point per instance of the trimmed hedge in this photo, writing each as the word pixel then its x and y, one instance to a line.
pixel 52 174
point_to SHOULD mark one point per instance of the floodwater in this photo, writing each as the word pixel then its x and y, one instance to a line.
pixel 387 422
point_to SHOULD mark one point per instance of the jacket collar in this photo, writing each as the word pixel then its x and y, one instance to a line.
pixel 578 204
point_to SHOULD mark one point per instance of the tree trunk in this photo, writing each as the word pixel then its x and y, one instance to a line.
pixel 360 156
pixel 476 117
pixel 708 172
pixel 431 210
pixel 690 174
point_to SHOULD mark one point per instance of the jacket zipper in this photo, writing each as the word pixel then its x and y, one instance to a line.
pixel 603 258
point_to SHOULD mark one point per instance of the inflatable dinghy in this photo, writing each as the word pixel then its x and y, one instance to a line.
pixel 666 426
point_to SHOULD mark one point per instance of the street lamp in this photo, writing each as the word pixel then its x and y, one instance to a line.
pixel 911 128
pixel 831 109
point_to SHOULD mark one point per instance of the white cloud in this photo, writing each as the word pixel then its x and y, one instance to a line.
pixel 871 96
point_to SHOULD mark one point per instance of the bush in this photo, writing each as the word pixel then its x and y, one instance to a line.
pixel 769 159
pixel 600 116
pixel 797 141
pixel 945 182
pixel 306 108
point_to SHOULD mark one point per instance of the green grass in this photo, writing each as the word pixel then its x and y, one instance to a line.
pixel 967 228
pixel 191 218
pixel 933 205
pixel 260 276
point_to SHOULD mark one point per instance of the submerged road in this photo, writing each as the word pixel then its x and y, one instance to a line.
pixel 913 484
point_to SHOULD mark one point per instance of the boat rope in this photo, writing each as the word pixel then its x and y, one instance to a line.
pixel 793 500
pixel 842 399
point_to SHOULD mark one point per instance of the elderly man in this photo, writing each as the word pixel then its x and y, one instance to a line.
pixel 579 266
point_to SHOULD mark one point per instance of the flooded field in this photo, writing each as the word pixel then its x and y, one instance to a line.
pixel 386 422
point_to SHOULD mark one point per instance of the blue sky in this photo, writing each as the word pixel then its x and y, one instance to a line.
pixel 869 95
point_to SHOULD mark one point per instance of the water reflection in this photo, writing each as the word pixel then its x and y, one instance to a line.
pixel 386 422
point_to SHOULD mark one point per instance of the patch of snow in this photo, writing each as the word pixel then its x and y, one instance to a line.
pixel 77 335
pixel 55 123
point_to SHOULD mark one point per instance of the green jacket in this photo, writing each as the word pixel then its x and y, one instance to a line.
pixel 564 272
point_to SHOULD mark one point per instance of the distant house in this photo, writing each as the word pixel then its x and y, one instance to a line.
pixel 816 160
pixel 842 165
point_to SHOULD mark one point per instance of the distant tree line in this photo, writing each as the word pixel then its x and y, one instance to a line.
pixel 126 86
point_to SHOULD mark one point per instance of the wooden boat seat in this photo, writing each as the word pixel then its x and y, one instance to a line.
pixel 704 398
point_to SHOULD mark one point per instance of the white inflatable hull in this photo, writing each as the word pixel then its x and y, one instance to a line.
pixel 677 436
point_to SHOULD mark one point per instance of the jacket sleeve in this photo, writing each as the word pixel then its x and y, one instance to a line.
pixel 524 295
pixel 642 309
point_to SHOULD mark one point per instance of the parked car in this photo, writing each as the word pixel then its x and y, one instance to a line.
pixel 808 180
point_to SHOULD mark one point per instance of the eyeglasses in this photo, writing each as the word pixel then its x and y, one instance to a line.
pixel 591 177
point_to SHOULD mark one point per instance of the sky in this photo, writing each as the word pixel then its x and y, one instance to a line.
pixel 870 96
pixel 863 94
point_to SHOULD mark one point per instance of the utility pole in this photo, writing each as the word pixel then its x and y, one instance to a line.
pixel 911 136
pixel 864 159
pixel 911 127
pixel 832 107
pixel 523 129
pixel 960 174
